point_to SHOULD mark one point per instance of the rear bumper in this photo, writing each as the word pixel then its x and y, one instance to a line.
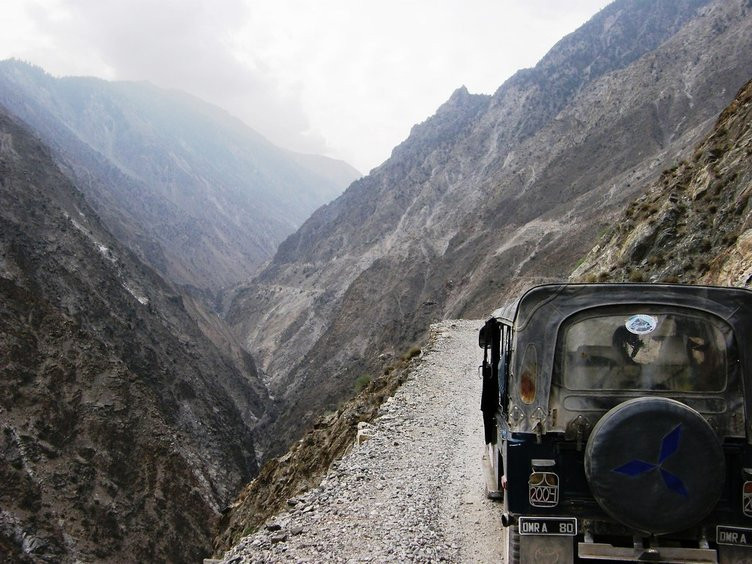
pixel 603 551
pixel 560 536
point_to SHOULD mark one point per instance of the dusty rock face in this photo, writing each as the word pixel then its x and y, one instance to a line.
pixel 694 225
pixel 198 195
pixel 123 430
pixel 489 195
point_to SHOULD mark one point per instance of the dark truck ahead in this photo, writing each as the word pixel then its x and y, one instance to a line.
pixel 617 418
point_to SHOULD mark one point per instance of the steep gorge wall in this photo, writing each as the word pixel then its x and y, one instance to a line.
pixel 124 431
pixel 694 224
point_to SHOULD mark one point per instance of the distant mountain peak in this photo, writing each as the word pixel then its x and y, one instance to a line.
pixel 461 99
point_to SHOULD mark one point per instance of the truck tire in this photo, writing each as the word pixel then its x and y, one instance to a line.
pixel 655 465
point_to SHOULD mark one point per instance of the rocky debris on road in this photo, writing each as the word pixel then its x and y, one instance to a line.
pixel 414 490
pixel 305 464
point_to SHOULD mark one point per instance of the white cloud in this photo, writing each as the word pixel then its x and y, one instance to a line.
pixel 343 77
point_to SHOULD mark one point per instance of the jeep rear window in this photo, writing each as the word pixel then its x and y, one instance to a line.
pixel 645 349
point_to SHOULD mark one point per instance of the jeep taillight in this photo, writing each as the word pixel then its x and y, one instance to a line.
pixel 747 499
pixel 528 375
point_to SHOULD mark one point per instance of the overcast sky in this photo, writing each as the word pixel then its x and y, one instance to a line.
pixel 345 78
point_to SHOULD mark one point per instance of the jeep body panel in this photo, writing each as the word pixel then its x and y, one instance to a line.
pixel 574 374
pixel 541 311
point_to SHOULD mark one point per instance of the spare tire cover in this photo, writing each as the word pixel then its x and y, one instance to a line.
pixel 655 465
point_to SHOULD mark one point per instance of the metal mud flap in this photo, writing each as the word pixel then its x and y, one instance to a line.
pixel 547 539
pixel 639 552
pixel 489 476
pixel 734 544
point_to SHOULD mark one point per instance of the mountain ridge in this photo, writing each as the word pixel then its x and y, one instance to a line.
pixel 445 227
pixel 693 225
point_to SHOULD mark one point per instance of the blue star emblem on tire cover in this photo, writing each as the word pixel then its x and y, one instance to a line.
pixel 669 445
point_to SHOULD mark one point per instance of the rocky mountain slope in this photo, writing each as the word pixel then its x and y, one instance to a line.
pixel 694 224
pixel 198 195
pixel 124 431
pixel 490 193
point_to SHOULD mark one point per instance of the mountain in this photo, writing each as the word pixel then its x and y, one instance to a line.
pixel 125 430
pixel 489 195
pixel 198 195
pixel 693 224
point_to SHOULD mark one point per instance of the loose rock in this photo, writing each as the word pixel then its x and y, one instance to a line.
pixel 414 491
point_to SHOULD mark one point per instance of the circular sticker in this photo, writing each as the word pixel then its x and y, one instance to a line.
pixel 641 324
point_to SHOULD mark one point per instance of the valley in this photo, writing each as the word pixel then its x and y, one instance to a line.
pixel 488 196
pixel 199 196
pixel 185 307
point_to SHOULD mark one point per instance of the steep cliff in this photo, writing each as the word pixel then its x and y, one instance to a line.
pixel 489 194
pixel 198 195
pixel 124 431
pixel 694 224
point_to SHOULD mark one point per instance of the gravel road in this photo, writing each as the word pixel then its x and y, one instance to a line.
pixel 413 492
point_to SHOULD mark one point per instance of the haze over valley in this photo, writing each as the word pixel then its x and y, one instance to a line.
pixel 201 197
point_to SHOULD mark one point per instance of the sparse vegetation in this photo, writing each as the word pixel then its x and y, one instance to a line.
pixel 306 462
pixel 656 260
pixel 729 239
pixel 361 382
pixel 695 211
pixel 636 275
pixel 412 352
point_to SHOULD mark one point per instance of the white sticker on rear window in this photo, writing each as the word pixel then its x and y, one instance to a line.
pixel 641 324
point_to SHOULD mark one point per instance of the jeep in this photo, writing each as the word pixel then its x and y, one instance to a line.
pixel 616 418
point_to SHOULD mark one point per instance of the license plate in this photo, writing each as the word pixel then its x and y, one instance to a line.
pixel 556 526
pixel 733 535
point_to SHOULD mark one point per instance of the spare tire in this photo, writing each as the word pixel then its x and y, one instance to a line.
pixel 655 465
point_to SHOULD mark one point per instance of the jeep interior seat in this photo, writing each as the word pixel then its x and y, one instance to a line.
pixel 673 351
pixel 594 366
pixel 672 365
pixel 597 355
